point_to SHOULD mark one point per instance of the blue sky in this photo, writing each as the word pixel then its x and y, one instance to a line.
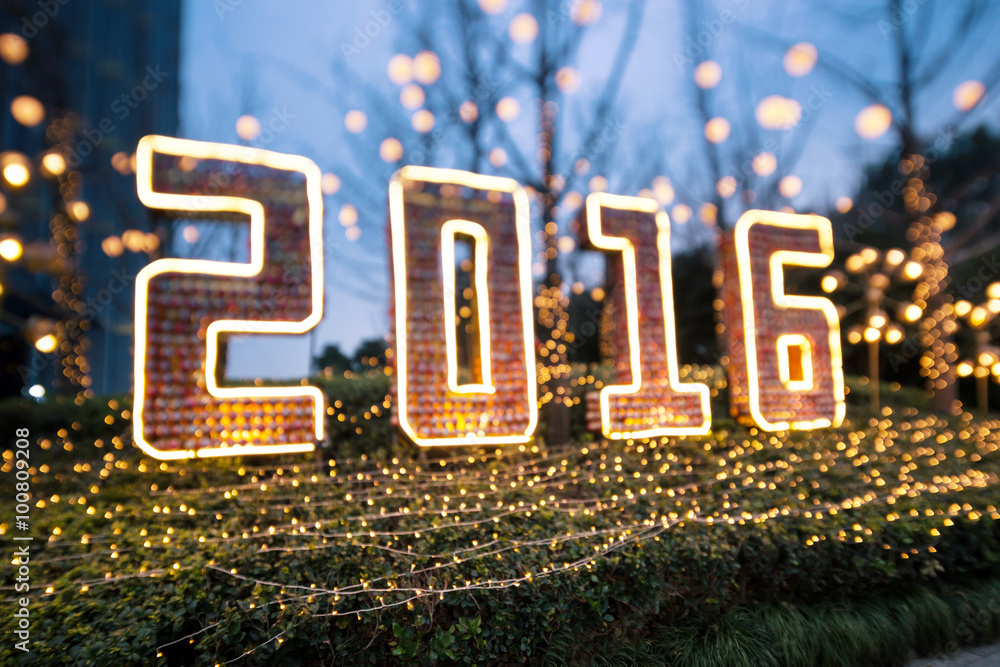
pixel 268 58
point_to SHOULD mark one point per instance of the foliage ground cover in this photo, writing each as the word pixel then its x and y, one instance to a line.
pixel 846 546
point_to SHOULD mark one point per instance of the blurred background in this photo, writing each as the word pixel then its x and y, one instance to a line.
pixel 882 116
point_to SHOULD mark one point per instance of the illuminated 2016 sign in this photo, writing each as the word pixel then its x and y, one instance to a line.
pixel 429 212
pixel 183 306
pixel 647 401
pixel 785 368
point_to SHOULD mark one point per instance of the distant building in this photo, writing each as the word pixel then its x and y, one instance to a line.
pixel 106 74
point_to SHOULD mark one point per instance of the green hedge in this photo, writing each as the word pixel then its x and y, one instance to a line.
pixel 863 585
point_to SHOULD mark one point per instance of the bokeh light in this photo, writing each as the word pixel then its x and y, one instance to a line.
pixel 708 74
pixel 873 121
pixel 800 59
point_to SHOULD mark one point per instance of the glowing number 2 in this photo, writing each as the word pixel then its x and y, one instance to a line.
pixel 786 369
pixel 180 410
pixel 427 212
pixel 649 401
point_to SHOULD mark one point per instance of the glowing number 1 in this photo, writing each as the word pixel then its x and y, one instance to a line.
pixel 786 368
pixel 180 410
pixel 428 209
pixel 649 401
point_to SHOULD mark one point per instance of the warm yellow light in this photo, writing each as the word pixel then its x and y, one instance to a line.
pixel 968 94
pixel 912 312
pixel 15 169
pixel 54 164
pixel 962 308
pixel 27 110
pixel 658 423
pixel 426 67
pixel 964 369
pixel 78 210
pixel 598 184
pixel 790 186
pixel 412 96
pixel 330 184
pixel 348 215
pixel 681 213
pixel 113 246
pixel 247 127
pixel 726 187
pixel 423 121
pixel 872 334
pixel 854 336
pixel 708 74
pixel 854 263
pixel 893 334
pixel 844 204
pixel 913 270
pixel 869 255
pixel 508 109
pixel 877 320
pixel 391 150
pixel 993 290
pixel 783 347
pixel 523 28
pixel 355 121
pixel 945 220
pixel 993 305
pixel 400 69
pixel 764 164
pixel 663 190
pixel 468 112
pixel 800 59
pixel 717 130
pixel 987 358
pixel 568 79
pixel 493 6
pixel 829 284
pixel 708 213
pixel 255 210
pixel 189 234
pixel 775 112
pixel 11 250
pixel 13 48
pixel 498 157
pixel 585 12
pixel 46 344
pixel 979 316
pixel 894 257
pixel 121 163
pixel 873 121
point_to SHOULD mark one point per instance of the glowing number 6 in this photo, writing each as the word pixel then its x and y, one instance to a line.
pixel 180 410
pixel 428 209
pixel 648 400
pixel 786 370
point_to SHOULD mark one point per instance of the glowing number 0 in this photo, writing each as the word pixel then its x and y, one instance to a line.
pixel 427 211
pixel 786 366
pixel 180 410
pixel 650 401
